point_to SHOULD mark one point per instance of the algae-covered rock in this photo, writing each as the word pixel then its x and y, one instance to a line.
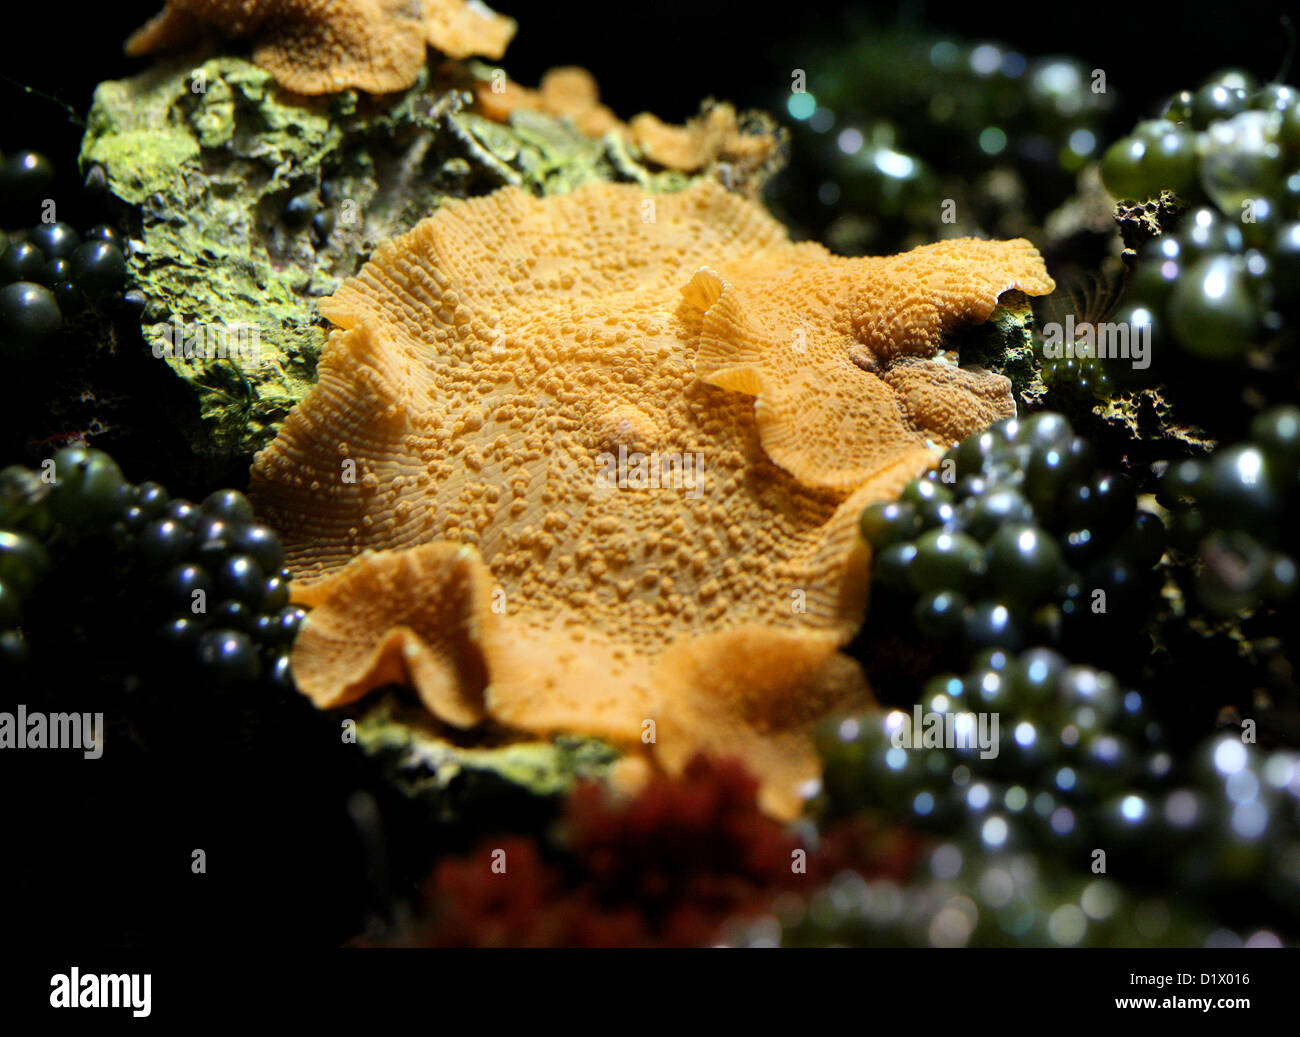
pixel 247 204
pixel 1003 344
pixel 449 778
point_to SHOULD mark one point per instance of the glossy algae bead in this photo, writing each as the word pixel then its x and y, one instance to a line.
pixel 947 561
pixel 1024 563
pixel 887 523
pixel 1211 311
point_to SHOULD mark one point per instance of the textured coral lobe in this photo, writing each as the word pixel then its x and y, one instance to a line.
pixel 322 46
pixel 593 463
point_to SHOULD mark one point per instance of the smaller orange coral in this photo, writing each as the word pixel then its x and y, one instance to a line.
pixel 466 28
pixel 715 136
pixel 568 92
pixel 322 46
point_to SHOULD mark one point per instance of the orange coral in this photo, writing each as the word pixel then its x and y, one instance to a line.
pixel 715 136
pixel 593 463
pixel 322 46
pixel 466 28
pixel 568 92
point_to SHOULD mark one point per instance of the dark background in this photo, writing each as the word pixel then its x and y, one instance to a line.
pixel 100 854
pixel 667 55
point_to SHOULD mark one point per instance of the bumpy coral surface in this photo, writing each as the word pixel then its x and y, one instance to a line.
pixel 322 46
pixel 593 463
